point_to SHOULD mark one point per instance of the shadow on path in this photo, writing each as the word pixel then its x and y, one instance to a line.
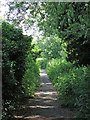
pixel 46 105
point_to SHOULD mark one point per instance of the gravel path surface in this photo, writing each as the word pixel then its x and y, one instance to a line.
pixel 46 105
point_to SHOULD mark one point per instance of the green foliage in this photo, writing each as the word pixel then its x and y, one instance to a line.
pixel 42 62
pixel 31 76
pixel 78 43
pixel 52 47
pixel 56 67
pixel 11 64
pixel 69 21
pixel 16 48
pixel 72 84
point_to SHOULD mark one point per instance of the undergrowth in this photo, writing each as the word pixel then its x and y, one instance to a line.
pixel 72 84
pixel 31 77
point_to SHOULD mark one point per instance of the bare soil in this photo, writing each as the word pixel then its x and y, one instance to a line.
pixel 46 106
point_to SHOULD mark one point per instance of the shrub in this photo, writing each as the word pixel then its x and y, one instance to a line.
pixel 72 84
pixel 15 50
pixel 42 62
pixel 56 67
pixel 13 61
pixel 31 76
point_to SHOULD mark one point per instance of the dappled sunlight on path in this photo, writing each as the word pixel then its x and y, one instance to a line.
pixel 46 105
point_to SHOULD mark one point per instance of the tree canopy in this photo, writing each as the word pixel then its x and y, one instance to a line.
pixel 70 21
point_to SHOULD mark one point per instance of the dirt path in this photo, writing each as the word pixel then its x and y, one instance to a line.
pixel 46 105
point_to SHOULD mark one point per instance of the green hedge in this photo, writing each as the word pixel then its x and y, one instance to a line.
pixel 72 84
pixel 15 49
pixel 31 76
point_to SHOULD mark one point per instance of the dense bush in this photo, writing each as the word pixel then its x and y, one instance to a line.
pixel 72 84
pixel 16 48
pixel 52 47
pixel 56 67
pixel 31 76
pixel 42 62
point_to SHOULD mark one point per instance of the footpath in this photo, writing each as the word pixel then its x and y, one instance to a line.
pixel 46 106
